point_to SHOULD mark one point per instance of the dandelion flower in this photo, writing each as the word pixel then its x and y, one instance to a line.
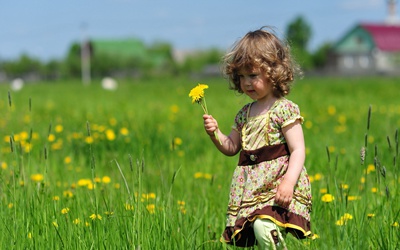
pixel 106 179
pixel 151 208
pixel 197 93
pixel 327 198
pixel 95 216
pixel 110 135
pixel 65 210
pixel 37 177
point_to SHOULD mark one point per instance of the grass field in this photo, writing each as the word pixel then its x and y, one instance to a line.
pixel 86 168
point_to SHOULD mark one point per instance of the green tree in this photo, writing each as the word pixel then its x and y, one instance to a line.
pixel 298 34
pixel 320 56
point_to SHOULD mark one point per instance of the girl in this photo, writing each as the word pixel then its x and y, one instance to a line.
pixel 270 192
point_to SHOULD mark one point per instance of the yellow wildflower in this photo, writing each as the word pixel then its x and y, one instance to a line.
pixel 95 216
pixel 151 208
pixel 106 179
pixel 65 210
pixel 197 93
pixel 37 177
pixel 110 134
pixel 327 198
pixel 59 128
pixel 124 131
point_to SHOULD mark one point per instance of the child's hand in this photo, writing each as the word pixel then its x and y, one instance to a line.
pixel 284 194
pixel 210 124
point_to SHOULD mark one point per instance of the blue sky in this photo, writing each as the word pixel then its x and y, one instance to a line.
pixel 45 29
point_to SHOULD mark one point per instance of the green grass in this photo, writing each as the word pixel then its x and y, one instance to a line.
pixel 86 168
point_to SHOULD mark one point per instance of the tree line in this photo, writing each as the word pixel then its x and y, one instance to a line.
pixel 298 33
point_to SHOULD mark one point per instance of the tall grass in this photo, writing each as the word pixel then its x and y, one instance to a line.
pixel 86 168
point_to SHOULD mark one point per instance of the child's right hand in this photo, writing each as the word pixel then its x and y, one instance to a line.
pixel 210 124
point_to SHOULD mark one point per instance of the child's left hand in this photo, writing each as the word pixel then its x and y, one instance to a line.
pixel 284 194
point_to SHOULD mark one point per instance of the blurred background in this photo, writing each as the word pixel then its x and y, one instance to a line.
pixel 127 39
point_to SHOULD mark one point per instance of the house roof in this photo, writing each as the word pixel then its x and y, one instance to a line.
pixel 386 37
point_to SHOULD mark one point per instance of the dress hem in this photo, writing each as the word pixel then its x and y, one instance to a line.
pixel 242 234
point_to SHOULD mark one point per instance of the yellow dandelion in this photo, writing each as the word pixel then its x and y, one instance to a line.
pixel 353 198
pixel 323 190
pixel 327 198
pixel 76 221
pixel 128 206
pixel 51 138
pixel 318 176
pixel 37 177
pixel 344 186
pixel 68 194
pixel 151 208
pixel 110 134
pixel 395 224
pixel 3 165
pixel 106 179
pixel 65 210
pixel 340 222
pixel 56 198
pixel 370 168
pixel 198 175
pixel 10 205
pixel 67 160
pixel 95 216
pixel 370 216
pixel 55 224
pixel 124 131
pixel 331 110
pixel 347 216
pixel 59 128
pixel 197 93
pixel 177 141
pixel 88 140
pixel 374 190
pixel 29 235
pixel 208 176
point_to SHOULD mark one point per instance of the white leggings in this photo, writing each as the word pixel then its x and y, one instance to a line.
pixel 269 235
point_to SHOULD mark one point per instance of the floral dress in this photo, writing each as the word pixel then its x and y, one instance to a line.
pixel 254 182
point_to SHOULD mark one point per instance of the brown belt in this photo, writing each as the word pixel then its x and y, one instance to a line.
pixel 266 153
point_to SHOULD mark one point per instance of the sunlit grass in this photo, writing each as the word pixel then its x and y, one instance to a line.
pixel 82 167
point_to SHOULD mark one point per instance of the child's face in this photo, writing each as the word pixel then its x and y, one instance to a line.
pixel 255 84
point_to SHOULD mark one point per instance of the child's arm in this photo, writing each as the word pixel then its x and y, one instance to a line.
pixel 230 144
pixel 294 137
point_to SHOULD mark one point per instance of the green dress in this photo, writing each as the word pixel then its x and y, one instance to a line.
pixel 253 187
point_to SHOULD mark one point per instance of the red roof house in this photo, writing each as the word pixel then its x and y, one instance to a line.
pixel 368 49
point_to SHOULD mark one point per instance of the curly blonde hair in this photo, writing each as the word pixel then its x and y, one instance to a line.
pixel 262 49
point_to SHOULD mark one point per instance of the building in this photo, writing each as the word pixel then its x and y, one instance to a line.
pixel 369 48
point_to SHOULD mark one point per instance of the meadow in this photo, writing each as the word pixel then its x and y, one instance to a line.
pixel 86 168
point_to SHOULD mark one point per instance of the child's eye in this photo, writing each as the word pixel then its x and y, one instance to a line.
pixel 253 75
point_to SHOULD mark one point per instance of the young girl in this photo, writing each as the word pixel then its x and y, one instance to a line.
pixel 270 192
